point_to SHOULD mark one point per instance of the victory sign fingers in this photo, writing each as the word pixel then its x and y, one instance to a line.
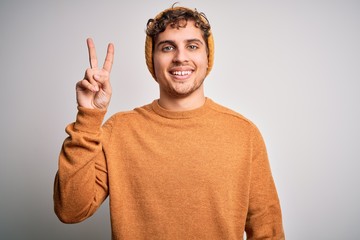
pixel 94 91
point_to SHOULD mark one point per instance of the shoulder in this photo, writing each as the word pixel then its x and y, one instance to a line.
pixel 229 113
pixel 130 115
pixel 237 120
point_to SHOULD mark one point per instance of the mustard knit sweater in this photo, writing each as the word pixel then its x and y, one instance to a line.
pixel 199 174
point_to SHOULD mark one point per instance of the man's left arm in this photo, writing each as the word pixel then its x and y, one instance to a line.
pixel 264 220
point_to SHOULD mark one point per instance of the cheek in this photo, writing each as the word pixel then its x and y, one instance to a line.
pixel 159 64
pixel 202 58
pixel 203 62
pixel 157 67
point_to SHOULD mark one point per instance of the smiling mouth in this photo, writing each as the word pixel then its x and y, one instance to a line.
pixel 181 73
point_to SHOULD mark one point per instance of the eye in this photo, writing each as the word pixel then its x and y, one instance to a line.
pixel 167 48
pixel 193 47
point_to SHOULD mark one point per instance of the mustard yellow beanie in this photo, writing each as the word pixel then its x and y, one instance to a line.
pixel 149 46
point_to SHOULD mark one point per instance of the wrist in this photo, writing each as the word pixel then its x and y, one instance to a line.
pixel 89 120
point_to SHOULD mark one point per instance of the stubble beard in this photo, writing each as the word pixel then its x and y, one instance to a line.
pixel 183 89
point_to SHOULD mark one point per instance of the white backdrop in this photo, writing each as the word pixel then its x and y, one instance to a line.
pixel 292 67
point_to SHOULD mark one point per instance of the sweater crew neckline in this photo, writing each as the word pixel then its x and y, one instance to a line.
pixel 181 114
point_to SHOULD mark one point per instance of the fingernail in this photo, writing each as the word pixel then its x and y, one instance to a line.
pixel 97 77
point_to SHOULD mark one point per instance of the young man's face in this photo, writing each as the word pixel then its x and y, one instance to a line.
pixel 180 61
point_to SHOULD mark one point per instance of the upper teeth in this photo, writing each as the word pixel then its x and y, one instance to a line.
pixel 182 73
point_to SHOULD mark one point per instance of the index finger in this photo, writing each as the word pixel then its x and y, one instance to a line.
pixel 109 57
pixel 92 53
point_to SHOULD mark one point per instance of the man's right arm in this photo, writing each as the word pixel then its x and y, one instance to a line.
pixel 81 180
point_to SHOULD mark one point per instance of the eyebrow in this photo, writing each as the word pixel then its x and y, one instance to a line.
pixel 173 42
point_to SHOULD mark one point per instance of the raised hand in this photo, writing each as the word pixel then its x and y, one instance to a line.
pixel 94 91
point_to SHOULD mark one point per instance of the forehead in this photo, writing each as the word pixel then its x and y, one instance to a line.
pixel 190 31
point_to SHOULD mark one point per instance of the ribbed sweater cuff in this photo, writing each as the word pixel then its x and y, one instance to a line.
pixel 89 120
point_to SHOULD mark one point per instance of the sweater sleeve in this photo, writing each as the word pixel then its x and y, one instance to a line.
pixel 264 219
pixel 80 184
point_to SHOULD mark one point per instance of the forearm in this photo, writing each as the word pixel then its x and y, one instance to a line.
pixel 264 220
pixel 81 181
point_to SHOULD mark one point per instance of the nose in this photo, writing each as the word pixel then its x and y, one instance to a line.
pixel 180 56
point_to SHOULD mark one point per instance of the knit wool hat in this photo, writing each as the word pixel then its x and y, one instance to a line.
pixel 149 45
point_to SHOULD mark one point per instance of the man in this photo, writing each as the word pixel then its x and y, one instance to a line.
pixel 181 167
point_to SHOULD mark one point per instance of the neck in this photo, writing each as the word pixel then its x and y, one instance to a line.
pixel 182 103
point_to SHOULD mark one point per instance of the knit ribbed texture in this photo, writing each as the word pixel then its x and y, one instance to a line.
pixel 199 174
